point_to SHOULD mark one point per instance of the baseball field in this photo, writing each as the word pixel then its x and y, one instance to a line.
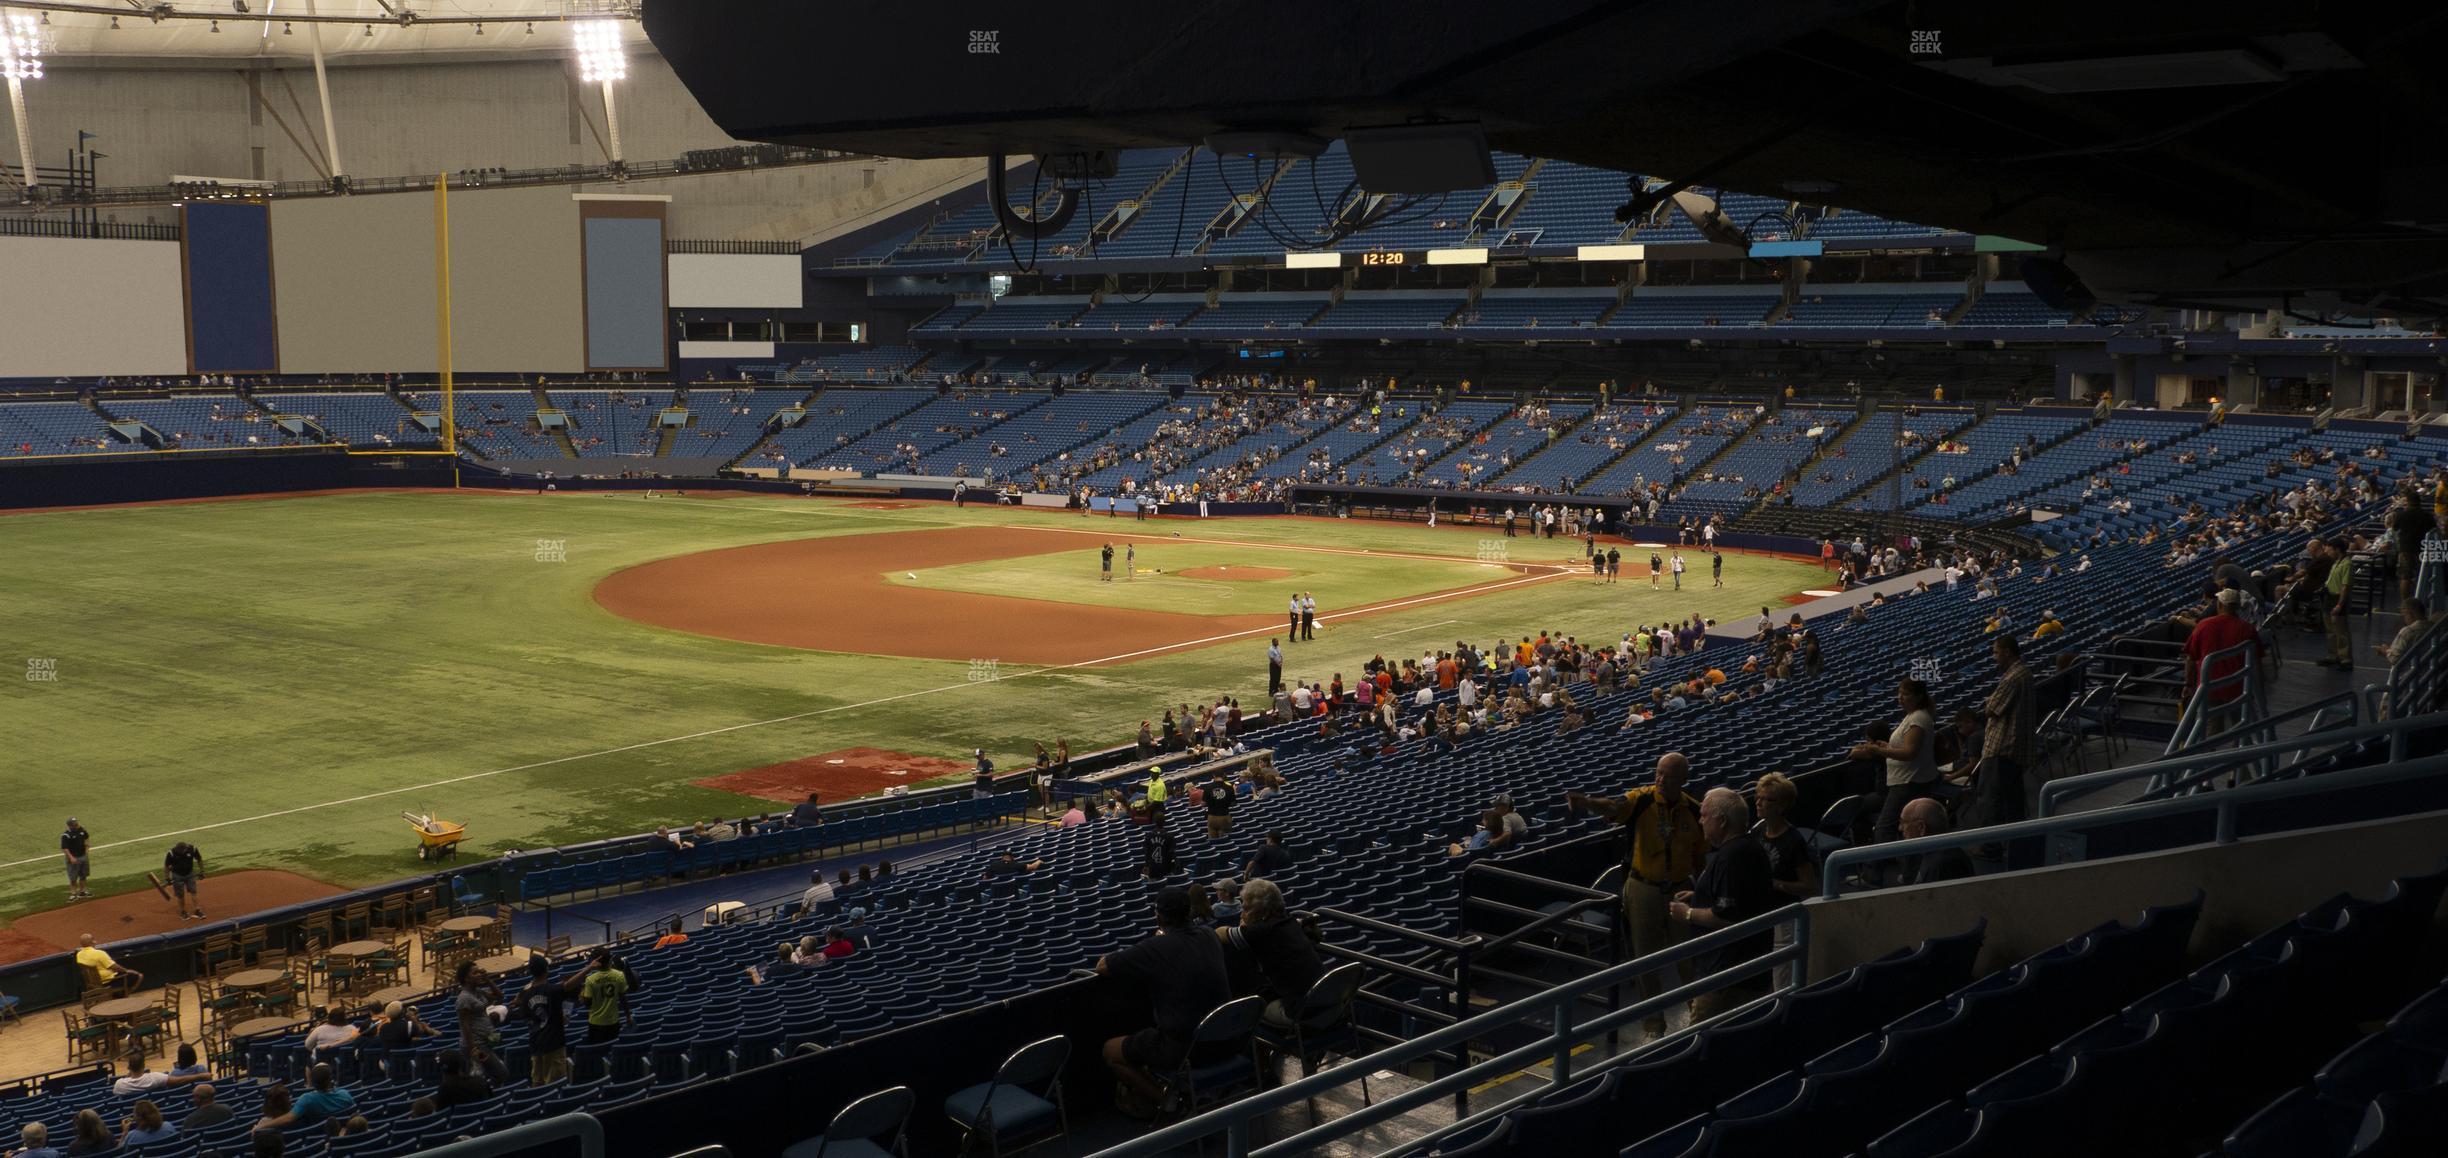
pixel 278 680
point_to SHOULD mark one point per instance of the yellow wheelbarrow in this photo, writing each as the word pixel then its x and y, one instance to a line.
pixel 436 837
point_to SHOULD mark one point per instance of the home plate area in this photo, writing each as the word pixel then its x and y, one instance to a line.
pixel 838 775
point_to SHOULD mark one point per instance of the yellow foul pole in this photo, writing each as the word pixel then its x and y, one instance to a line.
pixel 442 321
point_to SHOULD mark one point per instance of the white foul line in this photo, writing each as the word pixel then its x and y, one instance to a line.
pixel 998 678
pixel 1421 627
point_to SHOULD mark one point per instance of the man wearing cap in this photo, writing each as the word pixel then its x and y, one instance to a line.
pixel 1664 850
pixel 1514 825
pixel 1182 974
pixel 73 843
pixel 2220 630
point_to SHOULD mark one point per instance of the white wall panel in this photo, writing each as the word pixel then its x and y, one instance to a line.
pixel 735 281
pixel 73 307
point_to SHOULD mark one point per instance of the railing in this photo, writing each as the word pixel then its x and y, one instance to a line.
pixel 2223 805
pixel 2202 765
pixel 1555 1048
pixel 112 230
pixel 579 1135
pixel 764 157
pixel 678 245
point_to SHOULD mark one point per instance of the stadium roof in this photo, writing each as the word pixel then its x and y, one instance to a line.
pixel 137 33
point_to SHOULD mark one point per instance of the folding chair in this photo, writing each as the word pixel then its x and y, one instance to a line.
pixel 853 1131
pixel 1010 1103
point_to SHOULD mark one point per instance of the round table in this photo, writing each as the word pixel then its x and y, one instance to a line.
pixel 404 994
pixel 254 978
pixel 503 964
pixel 357 948
pixel 123 1007
pixel 466 924
pixel 257 1027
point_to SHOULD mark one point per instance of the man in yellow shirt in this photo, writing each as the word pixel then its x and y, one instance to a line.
pixel 1664 850
pixel 99 965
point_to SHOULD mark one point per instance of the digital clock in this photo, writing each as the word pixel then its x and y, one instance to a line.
pixel 1384 259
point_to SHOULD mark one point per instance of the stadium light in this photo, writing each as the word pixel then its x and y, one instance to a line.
pixel 600 62
pixel 599 51
pixel 21 61
pixel 21 48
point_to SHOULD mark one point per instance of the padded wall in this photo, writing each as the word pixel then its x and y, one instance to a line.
pixel 228 260
pixel 624 283
pixel 74 307
pixel 355 282
pixel 735 281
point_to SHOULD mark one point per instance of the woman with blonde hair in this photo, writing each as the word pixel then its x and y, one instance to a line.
pixel 1793 866
pixel 1268 954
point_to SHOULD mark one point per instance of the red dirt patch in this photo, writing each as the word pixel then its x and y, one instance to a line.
pixel 830 595
pixel 858 772
pixel 1239 574
pixel 143 913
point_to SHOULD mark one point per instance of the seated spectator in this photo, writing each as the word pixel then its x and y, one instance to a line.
pixel 185 1068
pixel 92 1137
pixel 335 1032
pixel 275 1110
pixel 207 1111
pixel 807 813
pixel 1009 864
pixel 1182 974
pixel 816 893
pixel 677 842
pixel 676 935
pixel 136 1079
pixel 103 968
pixel 1269 954
pixel 1512 826
pixel 1225 910
pixel 1271 858
pixel 34 1142
pixel 1927 817
pixel 1077 814
pixel 458 1087
pixel 837 944
pixel 2417 620
pixel 1491 822
pixel 144 1125
pixel 321 1100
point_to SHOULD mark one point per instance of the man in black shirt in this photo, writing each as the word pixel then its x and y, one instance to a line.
pixel 73 843
pixel 1269 954
pixel 1734 886
pixel 458 1086
pixel 981 782
pixel 540 1006
pixel 1182 973
pixel 807 813
pixel 1217 797
pixel 1946 864
pixel 182 865
pixel 1271 858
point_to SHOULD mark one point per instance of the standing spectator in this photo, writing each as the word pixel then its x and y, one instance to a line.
pixel 2213 633
pixel 1182 973
pixel 540 1006
pixel 1910 751
pixel 1678 570
pixel 981 781
pixel 477 1033
pixel 1308 615
pixel 101 967
pixel 74 842
pixel 1105 564
pixel 1793 868
pixel 1735 886
pixel 1218 798
pixel 2340 589
pixel 1662 824
pixel 184 866
pixel 601 988
pixel 2007 740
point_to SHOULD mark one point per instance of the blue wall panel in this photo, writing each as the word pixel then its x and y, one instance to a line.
pixel 229 289
pixel 624 293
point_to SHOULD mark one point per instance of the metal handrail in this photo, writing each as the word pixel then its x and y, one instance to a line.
pixel 2063 787
pixel 2224 804
pixel 1560 1003
pixel 2262 731
pixel 1587 899
pixel 580 1128
pixel 2197 710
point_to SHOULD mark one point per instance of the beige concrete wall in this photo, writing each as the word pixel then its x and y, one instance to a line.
pixel 2251 885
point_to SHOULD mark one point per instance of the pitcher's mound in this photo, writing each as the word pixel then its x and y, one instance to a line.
pixel 227 896
pixel 1228 571
pixel 840 776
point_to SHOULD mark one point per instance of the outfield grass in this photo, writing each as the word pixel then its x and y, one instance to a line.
pixel 1337 580
pixel 280 679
